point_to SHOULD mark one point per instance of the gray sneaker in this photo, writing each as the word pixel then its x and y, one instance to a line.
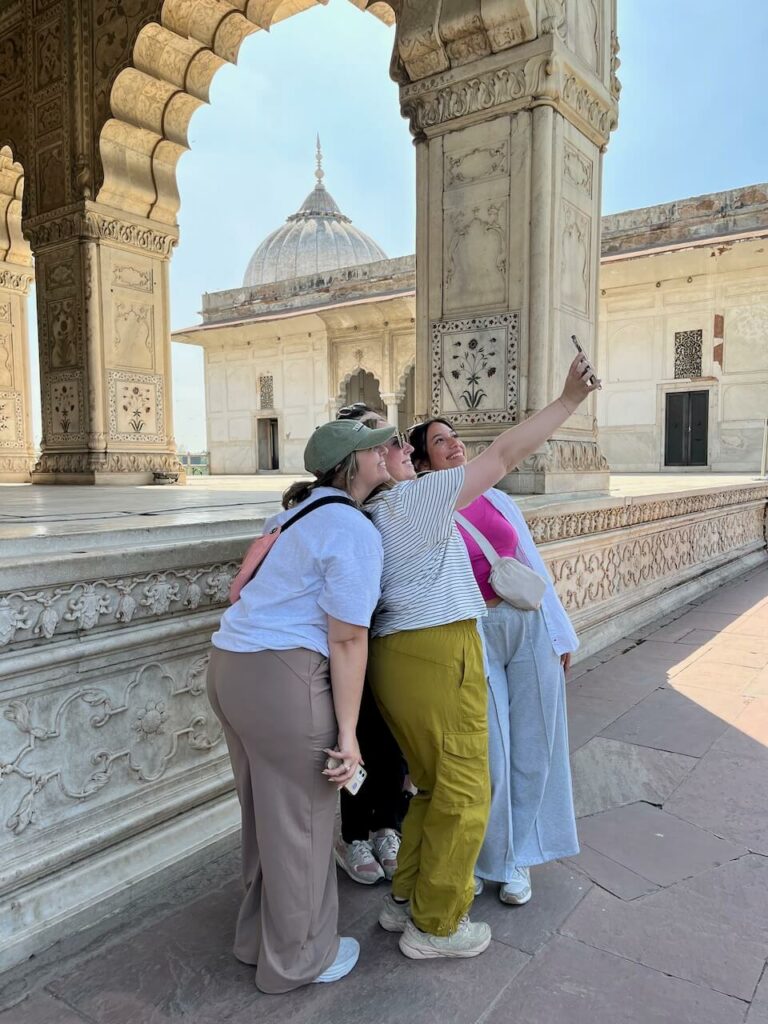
pixel 518 891
pixel 394 916
pixel 469 939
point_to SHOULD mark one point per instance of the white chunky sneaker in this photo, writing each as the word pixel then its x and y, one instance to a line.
pixel 385 845
pixel 346 958
pixel 394 916
pixel 518 891
pixel 469 939
pixel 479 886
pixel 356 858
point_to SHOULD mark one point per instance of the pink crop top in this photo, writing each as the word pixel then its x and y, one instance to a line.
pixel 501 534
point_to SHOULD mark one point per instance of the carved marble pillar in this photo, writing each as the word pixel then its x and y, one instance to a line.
pixel 392 402
pixel 17 454
pixel 105 352
pixel 511 105
pixel 16 274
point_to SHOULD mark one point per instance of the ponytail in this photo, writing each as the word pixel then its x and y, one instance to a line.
pixel 340 476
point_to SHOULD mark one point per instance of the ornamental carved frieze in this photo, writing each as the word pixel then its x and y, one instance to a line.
pixel 126 731
pixel 591 577
pixel 547 78
pixel 15 281
pixel 56 613
pixel 112 462
pixel 80 222
pixel 569 525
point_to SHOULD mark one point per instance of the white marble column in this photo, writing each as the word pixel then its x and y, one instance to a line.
pixel 511 106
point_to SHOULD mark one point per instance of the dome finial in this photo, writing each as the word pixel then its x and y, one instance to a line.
pixel 319 173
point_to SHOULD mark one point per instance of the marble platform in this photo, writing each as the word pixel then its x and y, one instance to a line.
pixel 113 768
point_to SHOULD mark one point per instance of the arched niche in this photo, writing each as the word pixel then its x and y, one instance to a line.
pixel 152 101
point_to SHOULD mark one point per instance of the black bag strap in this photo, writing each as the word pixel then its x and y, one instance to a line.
pixel 335 499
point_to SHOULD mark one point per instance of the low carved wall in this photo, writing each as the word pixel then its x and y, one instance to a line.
pixel 112 765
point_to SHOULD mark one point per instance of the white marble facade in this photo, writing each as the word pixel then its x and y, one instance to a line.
pixel 684 318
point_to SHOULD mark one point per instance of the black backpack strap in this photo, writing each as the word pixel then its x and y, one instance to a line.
pixel 328 500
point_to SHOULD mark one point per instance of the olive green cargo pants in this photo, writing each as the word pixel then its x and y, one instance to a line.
pixel 430 685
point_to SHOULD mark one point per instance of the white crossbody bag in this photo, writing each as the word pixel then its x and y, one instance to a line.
pixel 516 583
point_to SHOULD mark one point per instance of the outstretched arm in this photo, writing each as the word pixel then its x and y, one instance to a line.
pixel 510 448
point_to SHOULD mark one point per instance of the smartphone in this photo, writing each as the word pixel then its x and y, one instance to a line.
pixel 354 784
pixel 581 351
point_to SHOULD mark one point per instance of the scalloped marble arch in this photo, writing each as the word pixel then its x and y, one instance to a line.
pixel 14 248
pixel 153 100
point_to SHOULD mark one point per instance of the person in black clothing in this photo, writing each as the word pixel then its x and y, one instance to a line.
pixel 370 821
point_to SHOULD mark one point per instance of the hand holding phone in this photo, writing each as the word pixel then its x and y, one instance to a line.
pixel 353 785
pixel 593 379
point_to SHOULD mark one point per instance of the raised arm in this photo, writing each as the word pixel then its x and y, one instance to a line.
pixel 510 448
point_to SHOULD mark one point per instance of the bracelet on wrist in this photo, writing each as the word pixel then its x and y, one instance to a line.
pixel 565 406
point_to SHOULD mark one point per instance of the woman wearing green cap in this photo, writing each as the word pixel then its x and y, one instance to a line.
pixel 427 673
pixel 285 679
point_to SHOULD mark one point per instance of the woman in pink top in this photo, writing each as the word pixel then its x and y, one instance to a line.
pixel 532 818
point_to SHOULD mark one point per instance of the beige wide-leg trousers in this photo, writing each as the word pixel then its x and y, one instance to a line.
pixel 277 712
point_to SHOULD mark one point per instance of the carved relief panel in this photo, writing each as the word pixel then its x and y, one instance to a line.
pixel 131 307
pixel 474 368
pixel 575 258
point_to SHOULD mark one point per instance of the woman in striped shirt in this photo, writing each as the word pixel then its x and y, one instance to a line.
pixel 427 672
pixel 532 819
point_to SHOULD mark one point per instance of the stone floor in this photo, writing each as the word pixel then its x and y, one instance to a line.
pixel 662 918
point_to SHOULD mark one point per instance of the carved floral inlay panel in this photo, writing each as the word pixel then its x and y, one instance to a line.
pixel 11 424
pixel 59 612
pixel 136 409
pixel 476 256
pixel 475 368
pixel 117 734
pixel 6 363
pixel 64 406
pixel 134 336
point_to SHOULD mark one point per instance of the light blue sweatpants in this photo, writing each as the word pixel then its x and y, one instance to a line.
pixel 532 818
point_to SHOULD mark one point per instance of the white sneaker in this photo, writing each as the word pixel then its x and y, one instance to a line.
pixel 394 916
pixel 468 940
pixel 385 845
pixel 518 891
pixel 356 858
pixel 346 958
pixel 479 886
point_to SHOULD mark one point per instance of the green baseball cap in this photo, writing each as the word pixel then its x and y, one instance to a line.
pixel 333 442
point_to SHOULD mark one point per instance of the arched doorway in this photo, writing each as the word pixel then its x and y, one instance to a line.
pixel 363 387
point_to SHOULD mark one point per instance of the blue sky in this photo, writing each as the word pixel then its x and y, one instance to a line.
pixel 692 120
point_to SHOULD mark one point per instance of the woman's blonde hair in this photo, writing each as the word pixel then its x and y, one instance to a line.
pixel 340 476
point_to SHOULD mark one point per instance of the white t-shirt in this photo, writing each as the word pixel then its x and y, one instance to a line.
pixel 427 578
pixel 329 563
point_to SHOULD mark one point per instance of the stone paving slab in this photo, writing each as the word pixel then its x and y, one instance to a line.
pixel 609 773
pixel 558 890
pixel 758 1011
pixel 41 1008
pixel 727 795
pixel 612 876
pixel 696 935
pixel 668 720
pixel 654 844
pixel 572 983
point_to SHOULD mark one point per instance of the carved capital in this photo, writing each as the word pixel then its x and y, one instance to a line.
pixel 545 78
pixel 87 221
pixel 436 35
pixel 16 279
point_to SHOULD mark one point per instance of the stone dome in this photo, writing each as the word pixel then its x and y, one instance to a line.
pixel 318 238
